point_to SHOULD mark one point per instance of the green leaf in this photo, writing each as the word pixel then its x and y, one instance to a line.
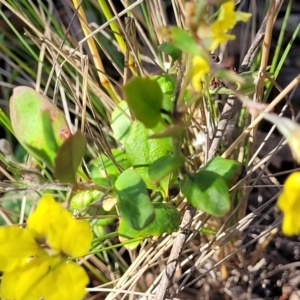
pixel 144 98
pixel 163 166
pixel 230 170
pixel 68 158
pixel 133 200
pixel 167 219
pixel 207 191
pixel 181 39
pixel 38 124
pixel 103 166
pixel 170 50
pixel 166 142
pixel 120 123
pixel 142 151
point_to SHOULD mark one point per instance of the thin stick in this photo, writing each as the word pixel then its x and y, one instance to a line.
pixel 222 124
pixel 265 53
pixel 169 271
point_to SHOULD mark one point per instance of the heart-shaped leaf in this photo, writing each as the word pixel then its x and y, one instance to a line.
pixel 134 202
pixel 207 191
pixel 142 151
pixel 144 98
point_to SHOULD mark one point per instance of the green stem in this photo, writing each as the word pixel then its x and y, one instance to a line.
pixel 115 29
pixel 281 37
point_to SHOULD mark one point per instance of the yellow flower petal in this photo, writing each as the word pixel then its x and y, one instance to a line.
pixel 70 281
pixel 291 224
pixel 48 223
pixel 17 247
pixel 219 39
pixel 200 67
pixel 20 284
pixel 53 225
pixel 77 238
pixel 226 20
pixel 8 284
pixel 242 16
pixel 64 281
pixel 289 204
pixel 40 281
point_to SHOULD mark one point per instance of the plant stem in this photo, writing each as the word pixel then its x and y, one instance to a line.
pixel 115 29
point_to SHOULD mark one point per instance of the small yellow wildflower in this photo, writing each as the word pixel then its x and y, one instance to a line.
pixel 289 204
pixel 33 259
pixel 200 67
pixel 217 33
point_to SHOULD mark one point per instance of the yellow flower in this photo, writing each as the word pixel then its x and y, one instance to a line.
pixel 226 20
pixel 33 258
pixel 200 67
pixel 54 226
pixel 289 204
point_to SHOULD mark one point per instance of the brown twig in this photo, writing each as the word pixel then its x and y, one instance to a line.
pixel 222 124
pixel 169 271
